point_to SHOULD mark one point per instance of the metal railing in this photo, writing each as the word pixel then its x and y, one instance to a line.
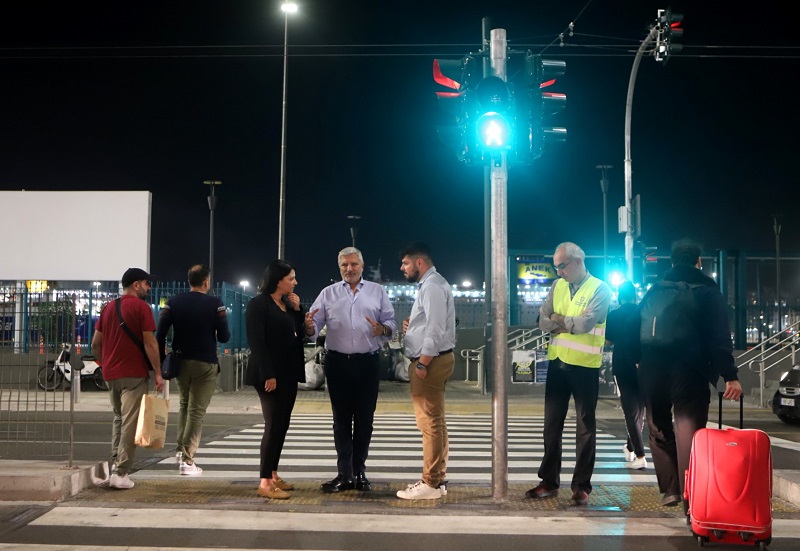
pixel 517 340
pixel 769 353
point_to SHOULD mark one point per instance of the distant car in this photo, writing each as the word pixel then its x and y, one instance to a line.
pixel 786 402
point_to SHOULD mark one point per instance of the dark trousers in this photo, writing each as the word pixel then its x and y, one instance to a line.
pixel 632 401
pixel 582 383
pixel 276 406
pixel 353 387
pixel 673 391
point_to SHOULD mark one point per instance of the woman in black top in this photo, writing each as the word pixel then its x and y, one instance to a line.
pixel 275 331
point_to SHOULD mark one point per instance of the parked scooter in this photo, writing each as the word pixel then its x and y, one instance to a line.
pixel 52 374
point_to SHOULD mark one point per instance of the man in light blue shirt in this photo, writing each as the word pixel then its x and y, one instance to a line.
pixel 359 320
pixel 430 336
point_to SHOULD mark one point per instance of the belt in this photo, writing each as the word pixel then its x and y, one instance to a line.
pixel 353 356
pixel 442 353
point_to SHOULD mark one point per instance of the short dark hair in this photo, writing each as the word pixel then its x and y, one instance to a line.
pixel 275 272
pixel 418 249
pixel 626 292
pixel 198 274
pixel 685 252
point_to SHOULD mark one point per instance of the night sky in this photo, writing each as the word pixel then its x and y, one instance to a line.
pixel 160 96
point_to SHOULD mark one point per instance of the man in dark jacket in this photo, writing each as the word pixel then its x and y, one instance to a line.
pixel 622 330
pixel 199 321
pixel 675 380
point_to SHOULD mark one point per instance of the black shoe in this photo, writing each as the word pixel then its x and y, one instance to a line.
pixel 362 483
pixel 541 491
pixel 670 500
pixel 338 484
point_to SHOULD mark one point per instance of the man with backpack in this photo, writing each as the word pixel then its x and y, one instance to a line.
pixel 686 345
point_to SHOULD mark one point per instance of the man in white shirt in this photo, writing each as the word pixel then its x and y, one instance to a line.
pixel 430 335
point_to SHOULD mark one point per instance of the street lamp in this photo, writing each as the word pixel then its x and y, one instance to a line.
pixel 241 321
pixel 354 218
pixel 604 189
pixel 212 205
pixel 777 228
pixel 287 8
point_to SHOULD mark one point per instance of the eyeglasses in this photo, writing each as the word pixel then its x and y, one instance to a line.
pixel 563 265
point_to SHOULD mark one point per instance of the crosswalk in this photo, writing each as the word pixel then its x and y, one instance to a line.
pixel 396 451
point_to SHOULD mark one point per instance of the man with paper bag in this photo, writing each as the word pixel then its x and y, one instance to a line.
pixel 124 343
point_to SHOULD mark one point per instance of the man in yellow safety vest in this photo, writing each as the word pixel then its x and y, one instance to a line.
pixel 574 314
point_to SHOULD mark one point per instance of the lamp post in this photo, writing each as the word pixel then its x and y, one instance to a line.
pixel 212 205
pixel 287 8
pixel 777 228
pixel 604 189
pixel 354 218
pixel 244 283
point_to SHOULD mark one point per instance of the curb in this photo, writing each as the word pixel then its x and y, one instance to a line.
pixel 48 480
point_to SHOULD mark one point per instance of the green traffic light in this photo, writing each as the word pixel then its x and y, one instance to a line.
pixel 494 132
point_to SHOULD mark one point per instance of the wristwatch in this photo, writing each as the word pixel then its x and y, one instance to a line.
pixel 421 366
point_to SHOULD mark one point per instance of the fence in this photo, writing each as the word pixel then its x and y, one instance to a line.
pixel 34 329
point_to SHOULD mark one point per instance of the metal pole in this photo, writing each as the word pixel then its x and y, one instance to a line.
pixel 353 229
pixel 777 227
pixel 212 205
pixel 499 177
pixel 628 169
pixel 485 363
pixel 604 189
pixel 282 196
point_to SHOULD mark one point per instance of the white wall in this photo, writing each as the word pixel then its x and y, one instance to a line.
pixel 73 235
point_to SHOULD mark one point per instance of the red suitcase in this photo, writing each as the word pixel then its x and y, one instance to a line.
pixel 729 485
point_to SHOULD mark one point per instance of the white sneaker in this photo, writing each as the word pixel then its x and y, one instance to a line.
pixel 192 469
pixel 120 482
pixel 179 458
pixel 629 455
pixel 420 490
pixel 638 464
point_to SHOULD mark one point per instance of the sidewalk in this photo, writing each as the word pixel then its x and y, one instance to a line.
pixel 50 481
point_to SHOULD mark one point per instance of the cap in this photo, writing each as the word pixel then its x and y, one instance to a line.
pixel 133 275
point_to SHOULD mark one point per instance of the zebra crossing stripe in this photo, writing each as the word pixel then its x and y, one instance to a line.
pixel 221 519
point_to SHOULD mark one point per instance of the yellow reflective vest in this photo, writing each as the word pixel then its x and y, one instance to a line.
pixel 585 349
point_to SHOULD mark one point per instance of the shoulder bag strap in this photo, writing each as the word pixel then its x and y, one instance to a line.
pixel 128 332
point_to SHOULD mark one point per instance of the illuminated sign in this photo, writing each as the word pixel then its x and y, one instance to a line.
pixel 36 286
pixel 539 272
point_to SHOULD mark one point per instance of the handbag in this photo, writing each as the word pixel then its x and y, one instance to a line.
pixel 151 427
pixel 171 365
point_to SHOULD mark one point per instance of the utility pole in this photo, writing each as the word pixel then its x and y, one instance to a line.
pixel 604 189
pixel 499 178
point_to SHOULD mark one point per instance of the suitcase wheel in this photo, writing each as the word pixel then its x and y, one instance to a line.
pixel 719 534
pixel 745 536
pixel 762 546
pixel 701 540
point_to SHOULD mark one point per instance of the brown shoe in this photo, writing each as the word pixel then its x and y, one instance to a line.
pixel 540 491
pixel 273 492
pixel 579 497
pixel 278 482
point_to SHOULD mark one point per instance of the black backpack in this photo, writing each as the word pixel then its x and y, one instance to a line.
pixel 667 314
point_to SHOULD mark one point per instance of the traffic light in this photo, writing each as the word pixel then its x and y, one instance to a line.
pixel 669 30
pixel 494 124
pixel 453 75
pixel 539 106
pixel 649 265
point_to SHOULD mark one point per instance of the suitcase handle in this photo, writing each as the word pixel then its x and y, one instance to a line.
pixel 741 410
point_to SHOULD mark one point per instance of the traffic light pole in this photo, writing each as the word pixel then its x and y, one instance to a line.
pixel 629 232
pixel 499 183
